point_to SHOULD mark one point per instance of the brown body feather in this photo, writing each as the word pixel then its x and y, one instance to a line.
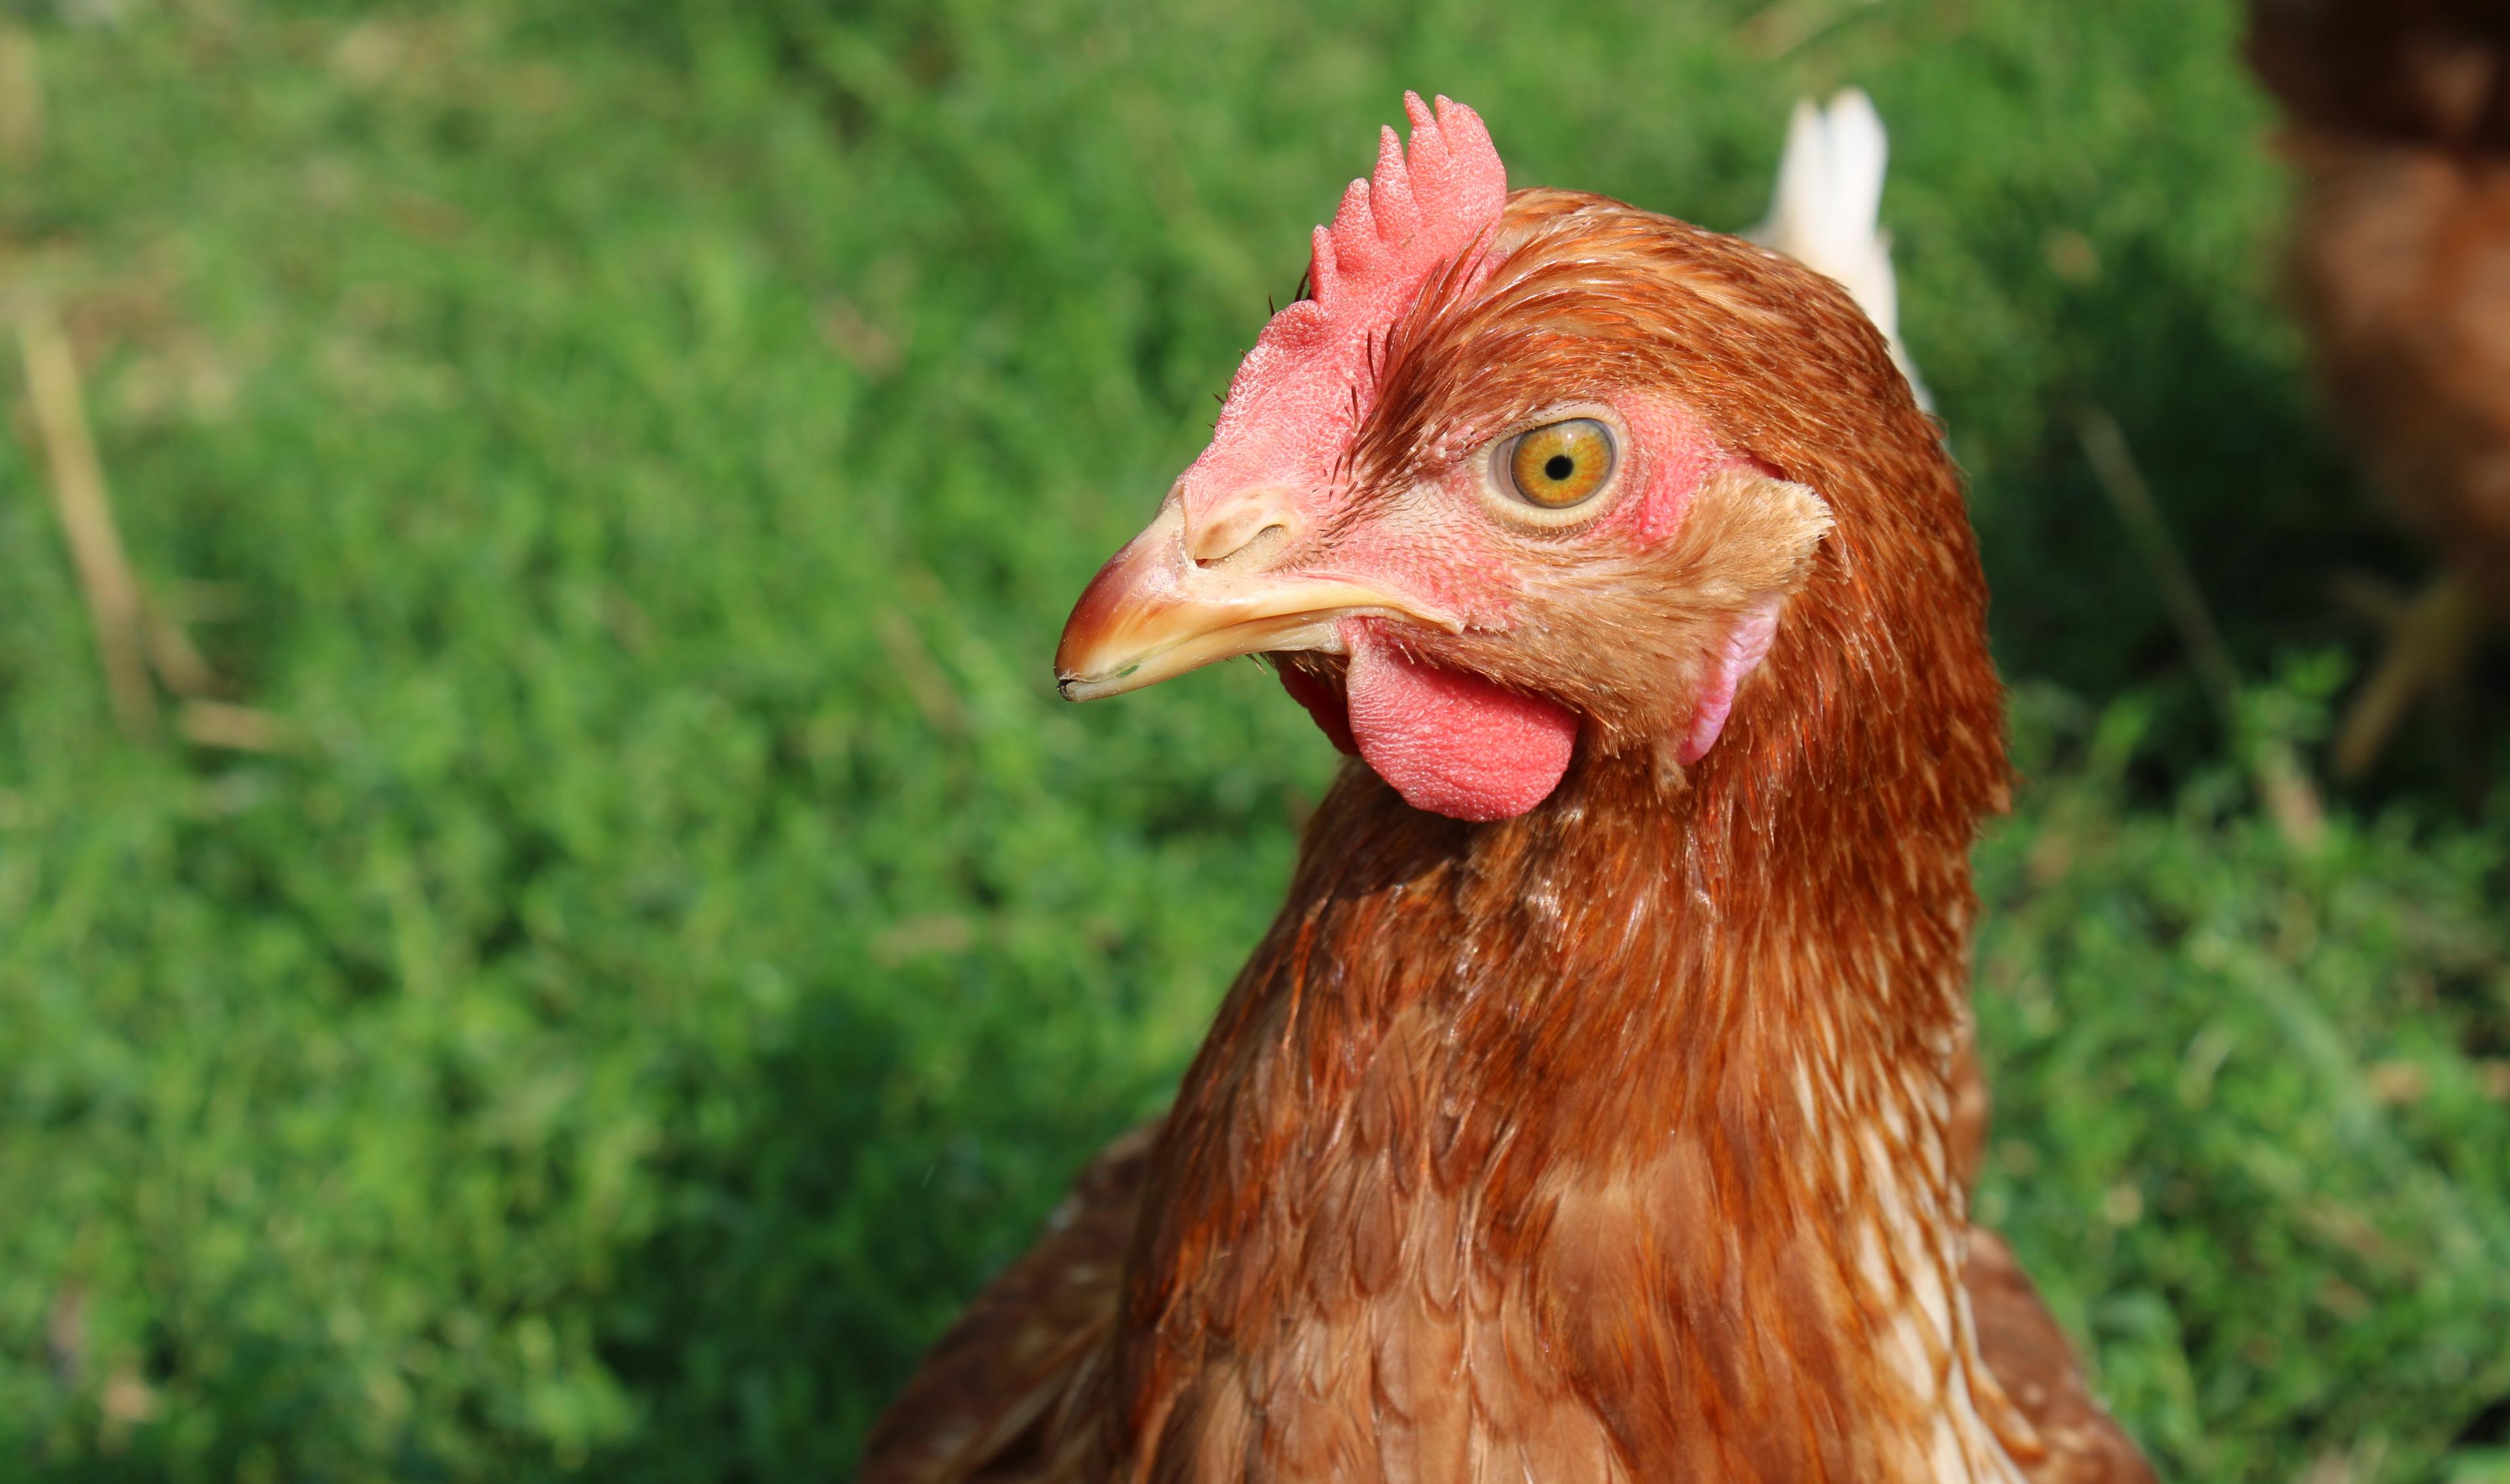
pixel 984 1406
pixel 1630 1138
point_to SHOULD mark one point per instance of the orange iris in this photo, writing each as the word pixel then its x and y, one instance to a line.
pixel 1561 464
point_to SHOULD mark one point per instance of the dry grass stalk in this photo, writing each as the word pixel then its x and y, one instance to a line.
pixel 237 728
pixel 112 590
pixel 1785 26
pixel 2283 784
pixel 2432 639
pixel 928 685
pixel 177 661
pixel 21 100
pixel 134 633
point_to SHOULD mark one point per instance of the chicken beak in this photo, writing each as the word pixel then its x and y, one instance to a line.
pixel 1156 610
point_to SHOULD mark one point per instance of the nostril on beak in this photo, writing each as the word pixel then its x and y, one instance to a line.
pixel 1248 552
pixel 1243 531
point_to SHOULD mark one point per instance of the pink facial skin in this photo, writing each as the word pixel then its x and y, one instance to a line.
pixel 1449 742
pixel 1442 542
pixel 1306 386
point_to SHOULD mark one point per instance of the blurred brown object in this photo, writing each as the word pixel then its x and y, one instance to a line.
pixel 2399 115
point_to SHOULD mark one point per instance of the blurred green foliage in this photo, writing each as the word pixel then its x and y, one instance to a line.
pixel 644 453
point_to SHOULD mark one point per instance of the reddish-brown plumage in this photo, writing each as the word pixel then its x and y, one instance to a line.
pixel 2401 249
pixel 2400 269
pixel 1615 1140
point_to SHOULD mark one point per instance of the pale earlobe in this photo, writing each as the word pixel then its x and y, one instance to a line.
pixel 1747 644
pixel 1786 523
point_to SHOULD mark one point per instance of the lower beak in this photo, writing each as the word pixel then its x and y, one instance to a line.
pixel 1154 611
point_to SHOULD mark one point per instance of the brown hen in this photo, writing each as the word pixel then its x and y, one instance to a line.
pixel 1599 1106
pixel 2400 134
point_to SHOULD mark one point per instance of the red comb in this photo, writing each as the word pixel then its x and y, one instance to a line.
pixel 1421 209
pixel 1299 392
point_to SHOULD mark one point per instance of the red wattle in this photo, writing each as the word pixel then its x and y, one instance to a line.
pixel 1454 743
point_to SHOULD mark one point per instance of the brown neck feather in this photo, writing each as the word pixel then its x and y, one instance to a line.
pixel 1614 1067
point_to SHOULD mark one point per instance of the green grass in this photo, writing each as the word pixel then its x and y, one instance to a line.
pixel 645 459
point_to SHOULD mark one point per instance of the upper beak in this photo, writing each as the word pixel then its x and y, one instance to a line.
pixel 1155 611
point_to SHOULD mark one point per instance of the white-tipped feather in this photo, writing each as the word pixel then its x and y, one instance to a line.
pixel 1826 210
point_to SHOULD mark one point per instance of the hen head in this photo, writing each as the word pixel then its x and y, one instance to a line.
pixel 1529 476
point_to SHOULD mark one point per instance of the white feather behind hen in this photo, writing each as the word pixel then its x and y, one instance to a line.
pixel 1826 210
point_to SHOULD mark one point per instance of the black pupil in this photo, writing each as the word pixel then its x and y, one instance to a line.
pixel 1559 467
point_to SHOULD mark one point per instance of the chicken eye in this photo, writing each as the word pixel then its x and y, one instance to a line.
pixel 1560 465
